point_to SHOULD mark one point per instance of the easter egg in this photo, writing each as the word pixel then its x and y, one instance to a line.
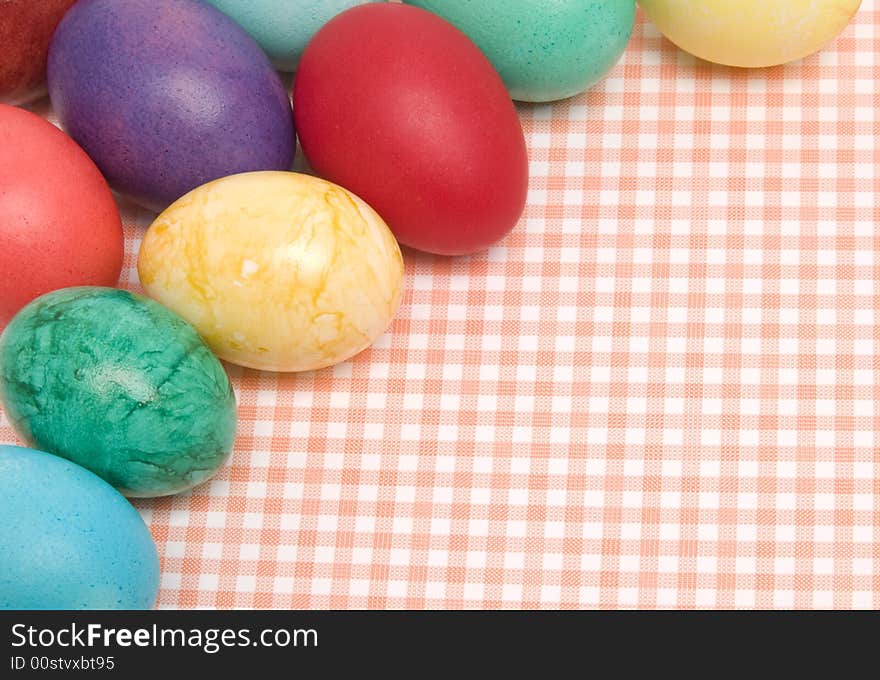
pixel 544 50
pixel 750 33
pixel 26 27
pixel 119 385
pixel 283 28
pixel 415 121
pixel 277 271
pixel 59 224
pixel 68 540
pixel 166 95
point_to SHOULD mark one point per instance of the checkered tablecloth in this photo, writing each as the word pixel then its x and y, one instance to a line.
pixel 662 390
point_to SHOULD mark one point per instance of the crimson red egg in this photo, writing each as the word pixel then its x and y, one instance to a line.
pixel 401 108
pixel 26 27
pixel 59 224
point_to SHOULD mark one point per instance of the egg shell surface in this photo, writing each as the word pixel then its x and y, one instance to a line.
pixel 277 271
pixel 284 28
pixel 120 385
pixel 68 540
pixel 750 33
pixel 166 95
pixel 26 27
pixel 415 121
pixel 59 224
pixel 544 49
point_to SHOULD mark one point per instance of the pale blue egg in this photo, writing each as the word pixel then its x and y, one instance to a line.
pixel 68 540
pixel 284 27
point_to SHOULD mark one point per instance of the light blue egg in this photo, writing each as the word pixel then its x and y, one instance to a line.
pixel 284 27
pixel 68 540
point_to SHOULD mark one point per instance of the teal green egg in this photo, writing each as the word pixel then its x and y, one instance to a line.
pixel 283 27
pixel 120 385
pixel 545 50
pixel 68 540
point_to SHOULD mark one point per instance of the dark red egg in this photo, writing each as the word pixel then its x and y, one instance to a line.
pixel 400 107
pixel 26 27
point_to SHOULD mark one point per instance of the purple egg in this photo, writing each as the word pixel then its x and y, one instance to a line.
pixel 166 95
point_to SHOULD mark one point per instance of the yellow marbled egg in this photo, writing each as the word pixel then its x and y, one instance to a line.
pixel 278 271
pixel 751 33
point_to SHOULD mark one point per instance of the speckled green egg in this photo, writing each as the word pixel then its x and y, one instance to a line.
pixel 120 385
pixel 544 49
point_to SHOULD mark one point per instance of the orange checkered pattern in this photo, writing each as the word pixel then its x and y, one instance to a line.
pixel 662 390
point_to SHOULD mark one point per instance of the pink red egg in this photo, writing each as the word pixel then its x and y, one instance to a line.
pixel 26 27
pixel 59 224
pixel 398 106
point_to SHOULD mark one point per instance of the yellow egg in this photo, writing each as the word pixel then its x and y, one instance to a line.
pixel 751 33
pixel 277 271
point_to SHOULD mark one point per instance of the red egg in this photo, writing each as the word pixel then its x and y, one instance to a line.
pixel 59 224
pixel 400 107
pixel 26 27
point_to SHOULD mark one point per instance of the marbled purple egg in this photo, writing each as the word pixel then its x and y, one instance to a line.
pixel 166 95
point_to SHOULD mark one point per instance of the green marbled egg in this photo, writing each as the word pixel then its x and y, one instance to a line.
pixel 119 385
pixel 544 49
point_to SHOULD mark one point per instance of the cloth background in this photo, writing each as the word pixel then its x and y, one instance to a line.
pixel 660 391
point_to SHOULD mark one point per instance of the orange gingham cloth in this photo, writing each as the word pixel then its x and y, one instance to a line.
pixel 660 391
